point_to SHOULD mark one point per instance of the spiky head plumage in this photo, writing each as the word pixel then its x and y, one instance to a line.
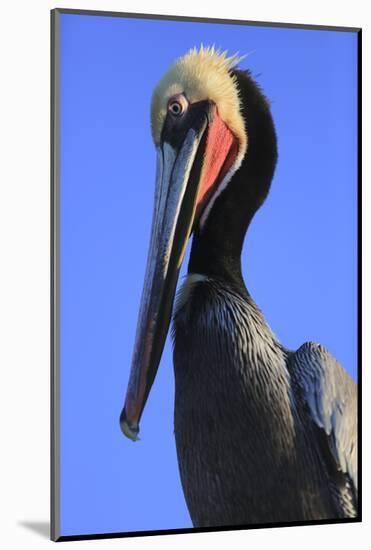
pixel 201 74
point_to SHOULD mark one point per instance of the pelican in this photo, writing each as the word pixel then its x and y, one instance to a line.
pixel 263 434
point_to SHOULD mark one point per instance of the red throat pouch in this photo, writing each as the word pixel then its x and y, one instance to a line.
pixel 220 154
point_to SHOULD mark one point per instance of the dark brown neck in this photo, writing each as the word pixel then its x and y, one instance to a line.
pixel 217 246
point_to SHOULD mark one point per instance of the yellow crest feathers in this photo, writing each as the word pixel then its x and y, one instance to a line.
pixel 201 74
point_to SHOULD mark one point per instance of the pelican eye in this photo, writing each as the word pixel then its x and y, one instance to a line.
pixel 177 106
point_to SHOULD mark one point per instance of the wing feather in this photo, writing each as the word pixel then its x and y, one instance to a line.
pixel 331 397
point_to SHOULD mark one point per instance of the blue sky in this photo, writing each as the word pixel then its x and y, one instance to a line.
pixel 299 259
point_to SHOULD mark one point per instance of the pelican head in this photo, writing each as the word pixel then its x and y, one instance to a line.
pixel 201 139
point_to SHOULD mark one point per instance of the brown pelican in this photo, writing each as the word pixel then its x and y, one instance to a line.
pixel 263 434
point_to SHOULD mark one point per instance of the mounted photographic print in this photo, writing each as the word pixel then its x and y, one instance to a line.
pixel 205 252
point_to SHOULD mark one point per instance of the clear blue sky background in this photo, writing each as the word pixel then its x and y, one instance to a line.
pixel 299 257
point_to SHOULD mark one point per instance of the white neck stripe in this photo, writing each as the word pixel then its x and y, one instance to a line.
pixel 222 186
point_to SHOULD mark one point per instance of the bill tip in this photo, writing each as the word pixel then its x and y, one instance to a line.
pixel 131 430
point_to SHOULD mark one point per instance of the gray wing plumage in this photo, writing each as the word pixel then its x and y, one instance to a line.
pixel 331 398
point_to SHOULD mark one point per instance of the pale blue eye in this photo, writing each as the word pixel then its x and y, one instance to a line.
pixel 176 108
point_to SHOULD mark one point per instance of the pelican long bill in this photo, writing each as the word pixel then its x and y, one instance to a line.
pixel 177 182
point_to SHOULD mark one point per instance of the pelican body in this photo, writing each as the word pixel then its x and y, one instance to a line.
pixel 263 434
